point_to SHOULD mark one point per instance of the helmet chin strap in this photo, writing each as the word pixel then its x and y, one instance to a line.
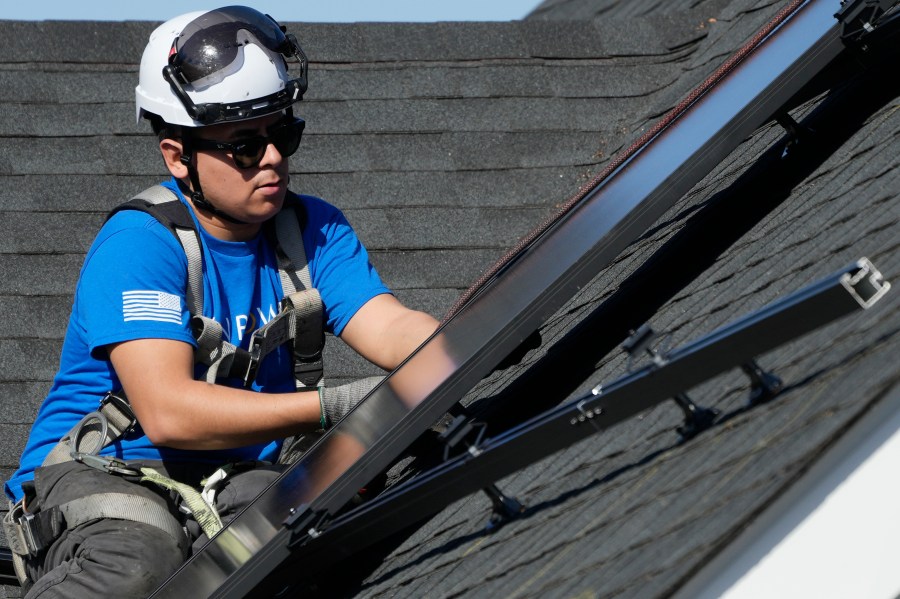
pixel 196 193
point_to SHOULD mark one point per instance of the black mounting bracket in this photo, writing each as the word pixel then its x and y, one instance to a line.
pixel 764 386
pixel 464 431
pixel 797 133
pixel 861 17
pixel 696 418
pixel 304 524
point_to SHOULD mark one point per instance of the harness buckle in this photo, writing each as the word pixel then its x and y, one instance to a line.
pixel 308 370
pixel 37 531
pixel 120 403
pixel 254 358
pixel 30 534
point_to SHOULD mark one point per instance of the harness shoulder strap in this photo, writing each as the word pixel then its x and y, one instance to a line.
pixel 162 204
pixel 223 358
pixel 293 267
pixel 300 298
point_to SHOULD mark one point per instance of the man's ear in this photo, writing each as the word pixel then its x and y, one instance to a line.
pixel 171 150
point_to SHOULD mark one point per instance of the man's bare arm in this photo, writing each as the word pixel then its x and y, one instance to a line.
pixel 175 410
pixel 385 332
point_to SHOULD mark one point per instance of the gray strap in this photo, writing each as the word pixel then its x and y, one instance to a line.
pixel 277 331
pixel 157 194
pixel 118 506
pixel 121 506
pixel 223 358
pixel 212 350
pixel 15 537
pixel 208 334
pixel 309 338
pixel 194 295
pixel 189 241
pixel 300 321
pixel 295 271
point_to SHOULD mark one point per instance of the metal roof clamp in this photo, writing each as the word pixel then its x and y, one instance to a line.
pixel 696 418
pixel 797 134
pixel 861 17
pixel 764 385
pixel 304 524
pixel 459 432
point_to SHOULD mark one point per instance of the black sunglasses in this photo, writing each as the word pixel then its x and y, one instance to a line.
pixel 247 152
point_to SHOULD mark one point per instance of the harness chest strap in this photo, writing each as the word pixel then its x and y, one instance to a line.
pixel 302 299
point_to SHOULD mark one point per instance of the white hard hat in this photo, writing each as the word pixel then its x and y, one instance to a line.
pixel 215 66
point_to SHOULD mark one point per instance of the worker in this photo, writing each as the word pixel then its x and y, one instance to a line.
pixel 222 250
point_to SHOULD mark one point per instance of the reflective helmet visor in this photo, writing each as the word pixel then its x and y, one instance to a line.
pixel 208 49
pixel 209 44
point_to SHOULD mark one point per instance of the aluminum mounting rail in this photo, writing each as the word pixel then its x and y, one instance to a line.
pixel 514 303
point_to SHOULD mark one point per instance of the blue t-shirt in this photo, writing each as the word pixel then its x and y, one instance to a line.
pixel 132 286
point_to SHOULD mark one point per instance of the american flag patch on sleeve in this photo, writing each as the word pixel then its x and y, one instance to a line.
pixel 151 305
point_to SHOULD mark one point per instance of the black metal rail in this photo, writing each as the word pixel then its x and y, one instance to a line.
pixel 855 287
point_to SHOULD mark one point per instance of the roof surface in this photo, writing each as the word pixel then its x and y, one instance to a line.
pixel 490 127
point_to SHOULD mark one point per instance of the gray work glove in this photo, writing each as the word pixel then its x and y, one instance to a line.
pixel 335 402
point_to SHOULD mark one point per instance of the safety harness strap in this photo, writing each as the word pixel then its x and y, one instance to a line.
pixel 205 514
pixel 28 534
pixel 309 337
pixel 162 203
pixel 224 359
pixel 292 264
pixel 308 332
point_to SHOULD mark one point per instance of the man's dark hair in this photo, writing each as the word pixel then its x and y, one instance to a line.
pixel 162 129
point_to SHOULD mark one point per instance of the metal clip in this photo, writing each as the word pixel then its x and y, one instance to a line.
pixel 107 464
pixel 861 17
pixel 254 356
pixel 460 432
pixel 27 525
pixel 37 531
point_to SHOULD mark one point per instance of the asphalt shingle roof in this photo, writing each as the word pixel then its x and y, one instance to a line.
pixel 490 127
